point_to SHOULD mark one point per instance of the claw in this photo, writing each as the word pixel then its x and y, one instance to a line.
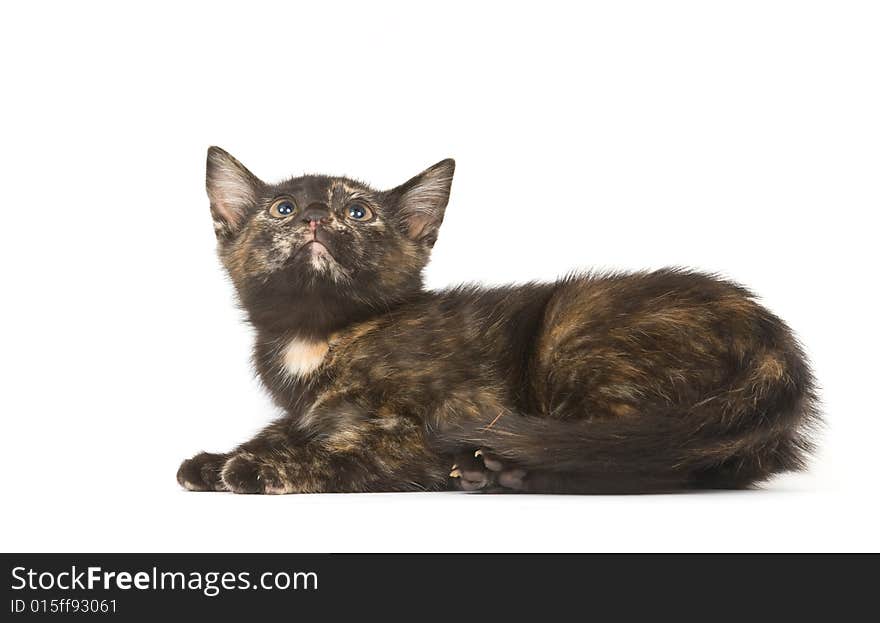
pixel 490 462
pixel 455 473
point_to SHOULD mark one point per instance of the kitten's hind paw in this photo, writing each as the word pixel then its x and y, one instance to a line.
pixel 483 471
pixel 202 472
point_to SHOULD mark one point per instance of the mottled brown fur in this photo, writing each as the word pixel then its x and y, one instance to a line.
pixel 594 383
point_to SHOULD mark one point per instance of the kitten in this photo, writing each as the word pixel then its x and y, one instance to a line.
pixel 596 383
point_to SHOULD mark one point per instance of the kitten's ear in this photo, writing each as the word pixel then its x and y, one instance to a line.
pixel 232 190
pixel 422 201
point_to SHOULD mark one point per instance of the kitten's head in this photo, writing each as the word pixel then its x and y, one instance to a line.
pixel 317 251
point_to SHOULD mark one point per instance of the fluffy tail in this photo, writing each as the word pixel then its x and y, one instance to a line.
pixel 731 440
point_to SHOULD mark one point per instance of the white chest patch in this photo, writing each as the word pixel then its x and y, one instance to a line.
pixel 302 357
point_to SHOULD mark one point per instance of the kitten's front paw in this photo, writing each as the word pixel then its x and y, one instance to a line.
pixel 202 472
pixel 482 471
pixel 245 473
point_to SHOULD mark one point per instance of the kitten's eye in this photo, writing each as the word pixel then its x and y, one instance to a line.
pixel 359 212
pixel 282 208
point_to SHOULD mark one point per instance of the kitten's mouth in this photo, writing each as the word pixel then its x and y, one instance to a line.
pixel 312 248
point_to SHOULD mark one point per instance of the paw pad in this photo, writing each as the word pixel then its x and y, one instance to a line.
pixel 483 471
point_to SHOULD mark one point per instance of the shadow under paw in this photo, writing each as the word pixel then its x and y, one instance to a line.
pixel 202 472
pixel 483 471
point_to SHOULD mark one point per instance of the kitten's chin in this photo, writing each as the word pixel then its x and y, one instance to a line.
pixel 317 258
pixel 316 248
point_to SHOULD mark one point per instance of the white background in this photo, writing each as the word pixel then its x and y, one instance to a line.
pixel 739 137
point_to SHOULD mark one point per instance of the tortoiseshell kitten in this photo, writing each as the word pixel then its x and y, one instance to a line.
pixel 597 383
